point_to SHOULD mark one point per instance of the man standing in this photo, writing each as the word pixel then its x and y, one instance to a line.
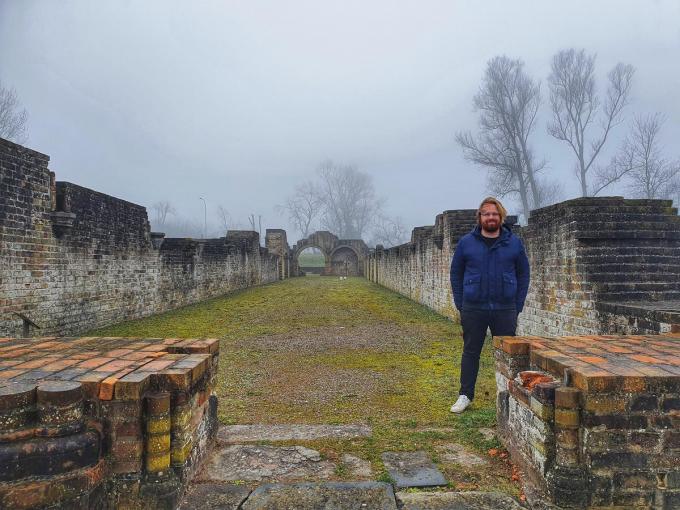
pixel 490 280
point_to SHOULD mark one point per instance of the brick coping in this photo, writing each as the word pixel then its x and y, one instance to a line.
pixel 107 367
pixel 603 363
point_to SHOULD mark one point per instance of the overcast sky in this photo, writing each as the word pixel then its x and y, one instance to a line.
pixel 239 101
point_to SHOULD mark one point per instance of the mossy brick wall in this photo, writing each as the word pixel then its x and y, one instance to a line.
pixel 598 265
pixel 104 422
pixel 73 259
pixel 603 428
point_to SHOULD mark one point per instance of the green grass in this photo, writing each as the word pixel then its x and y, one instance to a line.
pixel 324 350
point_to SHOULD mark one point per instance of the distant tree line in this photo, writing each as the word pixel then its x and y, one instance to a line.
pixel 508 104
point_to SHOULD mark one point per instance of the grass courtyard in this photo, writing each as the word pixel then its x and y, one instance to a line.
pixel 330 351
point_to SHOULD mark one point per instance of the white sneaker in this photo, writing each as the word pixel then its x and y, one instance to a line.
pixel 461 404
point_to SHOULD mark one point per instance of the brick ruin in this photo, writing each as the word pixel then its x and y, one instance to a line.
pixel 74 259
pixel 592 419
pixel 343 257
pixel 103 422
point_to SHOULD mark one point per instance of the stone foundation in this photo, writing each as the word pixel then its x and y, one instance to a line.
pixel 103 422
pixel 594 421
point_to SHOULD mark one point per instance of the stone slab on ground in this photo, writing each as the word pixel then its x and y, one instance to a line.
pixel 456 501
pixel 232 434
pixel 321 496
pixel 256 463
pixel 412 469
pixel 457 453
pixel 214 496
pixel 358 468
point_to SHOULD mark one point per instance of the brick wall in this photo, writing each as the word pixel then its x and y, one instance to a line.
pixel 598 265
pixel 104 422
pixel 72 259
pixel 593 421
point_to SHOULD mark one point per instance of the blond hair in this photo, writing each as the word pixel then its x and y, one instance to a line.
pixel 492 200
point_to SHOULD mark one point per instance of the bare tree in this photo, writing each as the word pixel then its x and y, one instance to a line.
pixel 161 210
pixel 389 231
pixel 507 102
pixel 255 223
pixel 641 161
pixel 348 199
pixel 303 207
pixel 577 108
pixel 224 218
pixel 13 118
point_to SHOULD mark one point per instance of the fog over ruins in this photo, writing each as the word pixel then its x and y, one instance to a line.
pixel 231 240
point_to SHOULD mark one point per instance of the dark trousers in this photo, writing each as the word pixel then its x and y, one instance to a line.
pixel 475 324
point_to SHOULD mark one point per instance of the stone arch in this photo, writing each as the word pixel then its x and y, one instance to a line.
pixel 303 247
pixel 349 254
pixel 345 261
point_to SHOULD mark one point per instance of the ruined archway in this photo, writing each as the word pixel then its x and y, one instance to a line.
pixel 343 257
pixel 312 260
pixel 345 261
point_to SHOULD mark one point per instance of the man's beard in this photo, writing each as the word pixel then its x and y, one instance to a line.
pixel 491 226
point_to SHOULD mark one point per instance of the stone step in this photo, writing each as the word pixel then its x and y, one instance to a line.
pixel 213 496
pixel 412 469
pixel 255 463
pixel 233 434
pixel 456 501
pixel 314 496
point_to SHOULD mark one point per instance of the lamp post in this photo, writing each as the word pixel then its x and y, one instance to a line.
pixel 205 218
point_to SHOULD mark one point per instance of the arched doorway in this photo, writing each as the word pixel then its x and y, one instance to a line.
pixel 311 261
pixel 345 261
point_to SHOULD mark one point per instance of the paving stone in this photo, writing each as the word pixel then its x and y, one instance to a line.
pixel 311 496
pixel 456 501
pixel 359 468
pixel 458 454
pixel 412 469
pixel 234 434
pixel 255 463
pixel 214 496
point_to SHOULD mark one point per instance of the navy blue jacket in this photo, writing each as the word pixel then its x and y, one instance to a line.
pixel 490 278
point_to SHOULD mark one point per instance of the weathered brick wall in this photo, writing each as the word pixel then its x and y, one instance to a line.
pixel 593 421
pixel 598 265
pixel 104 422
pixel 72 259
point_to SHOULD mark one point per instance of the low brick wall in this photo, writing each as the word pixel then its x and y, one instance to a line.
pixel 103 422
pixel 594 421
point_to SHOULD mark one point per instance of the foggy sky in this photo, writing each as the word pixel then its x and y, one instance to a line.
pixel 239 101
